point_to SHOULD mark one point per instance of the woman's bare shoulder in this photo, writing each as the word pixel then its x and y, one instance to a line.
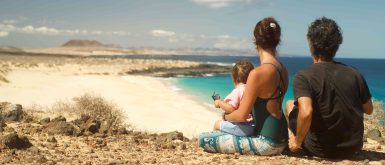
pixel 262 70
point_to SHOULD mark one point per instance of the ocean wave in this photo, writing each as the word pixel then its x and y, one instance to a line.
pixel 208 75
pixel 175 88
pixel 221 63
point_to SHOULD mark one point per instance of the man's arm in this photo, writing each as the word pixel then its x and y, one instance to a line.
pixel 305 111
pixel 368 107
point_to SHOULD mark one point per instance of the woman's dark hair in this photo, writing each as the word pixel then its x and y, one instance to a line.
pixel 324 37
pixel 267 34
pixel 241 71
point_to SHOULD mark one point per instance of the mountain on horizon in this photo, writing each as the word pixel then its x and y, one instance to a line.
pixel 83 43
pixel 10 49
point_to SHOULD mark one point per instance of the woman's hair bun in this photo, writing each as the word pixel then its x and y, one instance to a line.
pixel 267 33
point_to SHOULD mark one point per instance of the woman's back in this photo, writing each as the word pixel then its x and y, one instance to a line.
pixel 267 111
pixel 274 80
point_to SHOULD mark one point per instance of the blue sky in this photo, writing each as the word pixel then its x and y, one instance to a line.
pixel 226 24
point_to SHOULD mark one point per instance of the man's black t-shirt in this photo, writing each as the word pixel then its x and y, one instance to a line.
pixel 337 92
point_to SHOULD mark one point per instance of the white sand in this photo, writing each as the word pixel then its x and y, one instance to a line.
pixel 150 104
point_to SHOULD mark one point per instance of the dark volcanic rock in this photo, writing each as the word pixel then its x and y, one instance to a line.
pixel 2 125
pixel 93 126
pixel 13 140
pixel 123 130
pixel 59 118
pixel 171 136
pixel 200 70
pixel 87 125
pixel 45 121
pixel 62 128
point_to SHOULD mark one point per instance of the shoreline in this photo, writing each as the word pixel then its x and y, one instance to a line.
pixel 150 103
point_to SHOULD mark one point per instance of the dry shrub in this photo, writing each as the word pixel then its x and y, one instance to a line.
pixel 98 108
pixel 92 105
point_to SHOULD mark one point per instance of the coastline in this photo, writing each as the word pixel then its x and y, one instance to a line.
pixel 150 103
pixel 162 120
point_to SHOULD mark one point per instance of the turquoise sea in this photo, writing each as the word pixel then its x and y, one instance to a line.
pixel 372 69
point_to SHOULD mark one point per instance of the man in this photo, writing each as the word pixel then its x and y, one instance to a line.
pixel 326 118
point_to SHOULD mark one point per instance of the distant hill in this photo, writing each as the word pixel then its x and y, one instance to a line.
pixel 10 49
pixel 83 43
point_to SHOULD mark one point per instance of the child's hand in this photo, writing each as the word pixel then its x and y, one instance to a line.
pixel 217 103
pixel 250 118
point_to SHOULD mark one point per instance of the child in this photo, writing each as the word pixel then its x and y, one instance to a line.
pixel 231 103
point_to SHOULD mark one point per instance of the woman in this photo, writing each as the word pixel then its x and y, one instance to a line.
pixel 265 88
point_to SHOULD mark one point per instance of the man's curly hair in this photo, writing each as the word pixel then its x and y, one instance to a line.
pixel 324 37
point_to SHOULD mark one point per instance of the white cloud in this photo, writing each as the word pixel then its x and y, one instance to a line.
pixel 29 29
pixel 219 3
pixel 162 33
pixel 173 37
pixel 10 21
pixel 46 30
pixel 3 34
pixel 26 29
pixel 229 42
pixel 223 36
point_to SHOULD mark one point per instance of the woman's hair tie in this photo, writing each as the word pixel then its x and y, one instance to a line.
pixel 272 25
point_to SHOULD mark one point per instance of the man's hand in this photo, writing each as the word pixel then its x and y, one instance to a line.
pixel 217 103
pixel 293 144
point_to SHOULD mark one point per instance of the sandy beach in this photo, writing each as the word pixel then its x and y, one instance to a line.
pixel 151 104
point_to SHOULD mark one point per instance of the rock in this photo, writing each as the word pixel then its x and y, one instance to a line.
pixel 183 147
pixel 113 162
pixel 93 126
pixel 373 133
pixel 45 121
pixel 12 112
pixel 82 120
pixel 52 139
pixel 2 125
pixel 62 128
pixel 51 162
pixel 122 131
pixel 84 117
pixel 236 155
pixel 34 150
pixel 13 140
pixel 59 118
pixel 6 160
pixel 41 159
pixel 170 137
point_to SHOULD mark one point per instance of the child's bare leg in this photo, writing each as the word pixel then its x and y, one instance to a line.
pixel 217 125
